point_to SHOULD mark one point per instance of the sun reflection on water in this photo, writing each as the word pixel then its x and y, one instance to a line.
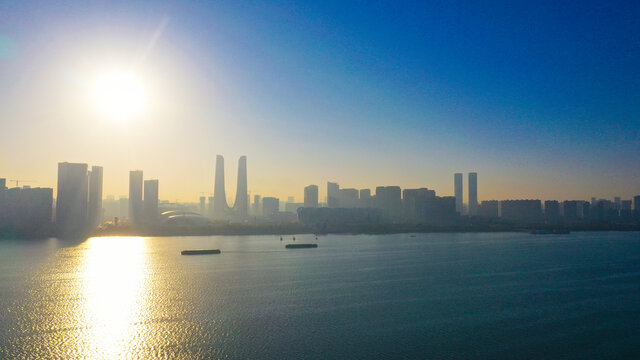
pixel 114 284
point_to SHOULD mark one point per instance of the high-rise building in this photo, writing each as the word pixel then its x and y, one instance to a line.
pixel 270 207
pixel 210 206
pixel 150 201
pixel 256 205
pixel 389 200
pixel 333 196
pixel 636 207
pixel 366 201
pixel 3 190
pixel 617 202
pixel 521 210
pixel 95 196
pixel 240 207
pixel 203 204
pixel 311 196
pixel 348 198
pixel 457 187
pixel 570 210
pixel 26 210
pixel 135 196
pixel 72 198
pixel 489 209
pixel 473 194
pixel 220 206
pixel 221 209
pixel 551 210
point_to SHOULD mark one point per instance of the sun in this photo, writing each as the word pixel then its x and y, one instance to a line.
pixel 119 95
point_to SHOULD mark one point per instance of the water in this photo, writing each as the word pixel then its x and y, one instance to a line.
pixel 440 296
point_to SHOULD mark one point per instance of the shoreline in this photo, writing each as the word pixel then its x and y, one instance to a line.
pixel 299 229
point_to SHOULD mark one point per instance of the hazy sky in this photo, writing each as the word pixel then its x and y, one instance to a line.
pixel 542 99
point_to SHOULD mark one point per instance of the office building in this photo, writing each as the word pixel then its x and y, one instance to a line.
pixel 311 196
pixel 150 201
pixel 270 207
pixel 257 205
pixel 221 209
pixel 203 205
pixel 333 196
pixel 338 217
pixel 626 211
pixel 240 207
pixel 348 198
pixel 488 209
pixel 135 196
pixel 72 199
pixel 26 210
pixel 458 192
pixel 570 210
pixel 95 196
pixel 521 210
pixel 551 210
pixel 473 194
pixel 220 206
pixel 210 203
pixel 413 200
pixel 389 200
pixel 366 201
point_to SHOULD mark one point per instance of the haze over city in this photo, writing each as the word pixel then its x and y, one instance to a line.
pixel 541 106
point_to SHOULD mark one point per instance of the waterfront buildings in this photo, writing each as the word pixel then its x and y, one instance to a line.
pixel 458 192
pixel 72 198
pixel 95 196
pixel 333 195
pixel 150 201
pixel 473 194
pixel 311 196
pixel 135 196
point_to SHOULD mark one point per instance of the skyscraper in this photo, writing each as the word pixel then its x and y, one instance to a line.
pixel 219 197
pixel 311 196
pixel 150 201
pixel 457 186
pixel 240 207
pixel 473 194
pixel 135 196
pixel 72 198
pixel 95 196
pixel 333 196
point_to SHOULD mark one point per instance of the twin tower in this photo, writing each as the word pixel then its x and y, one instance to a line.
pixel 220 208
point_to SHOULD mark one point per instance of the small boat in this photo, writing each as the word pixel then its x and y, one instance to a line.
pixel 301 246
pixel 200 252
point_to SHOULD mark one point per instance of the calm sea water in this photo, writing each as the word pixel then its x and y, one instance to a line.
pixel 440 296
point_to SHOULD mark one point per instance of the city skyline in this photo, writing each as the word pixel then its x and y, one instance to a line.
pixel 232 196
pixel 534 120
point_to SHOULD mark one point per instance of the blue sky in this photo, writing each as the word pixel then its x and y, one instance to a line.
pixel 540 98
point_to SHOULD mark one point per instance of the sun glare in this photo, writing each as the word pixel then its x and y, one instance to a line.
pixel 119 95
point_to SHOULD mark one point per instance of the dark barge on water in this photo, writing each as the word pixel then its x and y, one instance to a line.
pixel 200 252
pixel 301 246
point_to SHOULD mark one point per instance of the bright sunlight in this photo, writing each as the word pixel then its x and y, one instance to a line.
pixel 119 95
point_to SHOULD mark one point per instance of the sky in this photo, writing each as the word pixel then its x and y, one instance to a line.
pixel 540 98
